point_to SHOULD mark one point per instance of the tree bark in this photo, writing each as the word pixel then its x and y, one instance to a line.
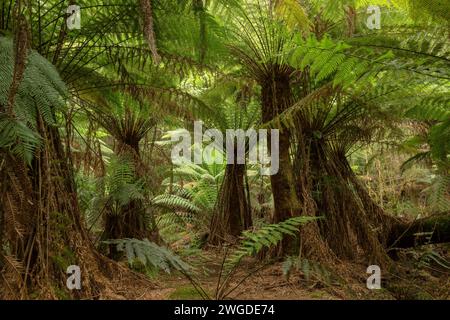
pixel 429 230
pixel 232 214
pixel 47 234
pixel 276 97
pixel 286 203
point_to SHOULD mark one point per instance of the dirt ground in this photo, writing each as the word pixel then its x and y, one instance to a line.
pixel 271 283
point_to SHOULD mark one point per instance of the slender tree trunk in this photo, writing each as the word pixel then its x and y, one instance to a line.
pixel 286 203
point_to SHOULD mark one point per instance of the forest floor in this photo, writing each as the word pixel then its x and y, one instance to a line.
pixel 270 282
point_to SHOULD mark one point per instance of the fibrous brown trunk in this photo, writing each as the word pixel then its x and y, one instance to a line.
pixel 232 214
pixel 276 97
pixel 128 223
pixel 44 230
pixel 286 203
pixel 351 224
pixel 149 32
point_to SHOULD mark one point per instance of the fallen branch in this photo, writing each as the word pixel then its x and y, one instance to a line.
pixel 432 229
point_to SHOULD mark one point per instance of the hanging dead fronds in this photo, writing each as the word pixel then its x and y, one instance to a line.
pixel 21 47
pixel 149 32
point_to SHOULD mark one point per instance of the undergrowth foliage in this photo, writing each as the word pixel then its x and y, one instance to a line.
pixel 150 254
pixel 266 237
pixel 252 243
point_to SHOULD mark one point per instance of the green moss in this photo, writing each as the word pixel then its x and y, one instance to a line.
pixel 422 295
pixel 185 293
pixel 148 270
pixel 65 258
pixel 318 294
pixel 61 294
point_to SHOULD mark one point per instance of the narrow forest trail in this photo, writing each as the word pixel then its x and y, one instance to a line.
pixel 263 285
pixel 271 283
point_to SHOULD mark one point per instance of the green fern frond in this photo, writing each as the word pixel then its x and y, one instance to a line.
pixel 440 194
pixel 150 254
pixel 41 92
pixel 18 138
pixel 268 236
pixel 175 202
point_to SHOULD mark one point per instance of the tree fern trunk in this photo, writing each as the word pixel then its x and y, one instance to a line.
pixel 276 97
pixel 232 214
pixel 48 235
pixel 352 221
pixel 129 221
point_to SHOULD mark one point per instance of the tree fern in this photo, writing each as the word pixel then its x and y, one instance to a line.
pixel 194 202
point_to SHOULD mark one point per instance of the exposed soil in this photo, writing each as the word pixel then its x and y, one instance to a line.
pixel 270 283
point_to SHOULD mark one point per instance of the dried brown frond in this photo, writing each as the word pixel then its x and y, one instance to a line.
pixel 149 32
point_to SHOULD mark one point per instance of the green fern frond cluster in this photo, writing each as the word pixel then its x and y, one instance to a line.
pixel 327 58
pixel 41 94
pixel 307 267
pixel 18 138
pixel 439 140
pixel 121 181
pixel 266 237
pixel 440 193
pixel 430 257
pixel 150 254
pixel 434 107
pixel 176 203
pixel 195 201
